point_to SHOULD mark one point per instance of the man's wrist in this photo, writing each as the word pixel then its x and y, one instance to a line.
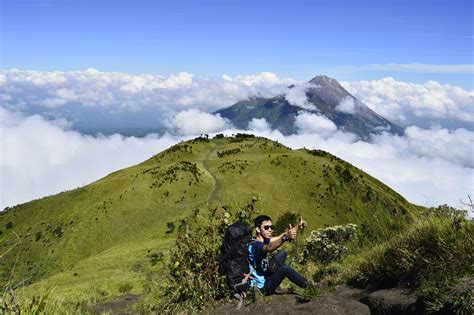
pixel 284 238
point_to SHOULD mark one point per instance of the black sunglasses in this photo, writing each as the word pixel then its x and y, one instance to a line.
pixel 267 227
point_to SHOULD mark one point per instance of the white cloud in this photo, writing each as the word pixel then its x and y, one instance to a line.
pixel 259 125
pixel 67 94
pixel 93 87
pixel 313 123
pixel 297 96
pixel 193 122
pixel 347 105
pixel 3 79
pixel 53 102
pixel 454 146
pixel 424 105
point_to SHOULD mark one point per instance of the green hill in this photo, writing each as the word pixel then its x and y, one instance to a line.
pixel 106 238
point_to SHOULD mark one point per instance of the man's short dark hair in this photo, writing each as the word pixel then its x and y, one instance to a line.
pixel 259 220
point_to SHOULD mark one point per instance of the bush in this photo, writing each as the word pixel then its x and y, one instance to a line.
pixel 329 244
pixel 284 220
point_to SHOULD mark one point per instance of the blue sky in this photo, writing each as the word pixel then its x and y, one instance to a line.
pixel 295 39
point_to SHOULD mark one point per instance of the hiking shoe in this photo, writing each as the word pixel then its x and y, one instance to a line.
pixel 241 299
pixel 282 291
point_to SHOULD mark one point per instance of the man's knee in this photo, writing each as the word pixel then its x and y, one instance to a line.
pixel 280 257
pixel 277 260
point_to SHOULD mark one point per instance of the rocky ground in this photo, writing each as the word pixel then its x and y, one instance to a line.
pixel 342 301
pixel 339 300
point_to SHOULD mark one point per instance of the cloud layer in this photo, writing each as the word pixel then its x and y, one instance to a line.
pixel 105 102
pixel 152 99
pixel 425 105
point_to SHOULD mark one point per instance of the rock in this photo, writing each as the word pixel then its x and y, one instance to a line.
pixel 333 305
pixel 117 306
pixel 392 301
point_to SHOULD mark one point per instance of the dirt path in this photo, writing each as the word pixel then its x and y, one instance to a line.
pixel 117 306
pixel 205 164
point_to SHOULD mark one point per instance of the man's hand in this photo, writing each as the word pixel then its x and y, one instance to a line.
pixel 293 230
pixel 291 233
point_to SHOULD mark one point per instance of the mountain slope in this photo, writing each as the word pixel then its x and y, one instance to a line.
pixel 112 232
pixel 327 97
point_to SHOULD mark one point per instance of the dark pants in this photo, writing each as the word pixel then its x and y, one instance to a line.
pixel 280 271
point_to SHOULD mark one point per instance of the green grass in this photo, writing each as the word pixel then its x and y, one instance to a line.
pixel 432 257
pixel 100 231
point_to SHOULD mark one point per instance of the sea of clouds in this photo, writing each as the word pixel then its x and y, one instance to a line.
pixel 62 130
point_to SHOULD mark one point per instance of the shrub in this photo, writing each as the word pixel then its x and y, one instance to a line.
pixel 244 136
pixel 329 244
pixel 284 220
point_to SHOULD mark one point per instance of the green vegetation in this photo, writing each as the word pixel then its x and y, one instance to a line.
pixel 329 244
pixel 115 235
pixel 434 257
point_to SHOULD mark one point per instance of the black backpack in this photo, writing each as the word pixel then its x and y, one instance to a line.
pixel 233 256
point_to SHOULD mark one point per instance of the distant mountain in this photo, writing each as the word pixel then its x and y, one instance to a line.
pixel 328 98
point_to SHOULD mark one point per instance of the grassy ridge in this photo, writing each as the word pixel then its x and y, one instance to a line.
pixel 92 239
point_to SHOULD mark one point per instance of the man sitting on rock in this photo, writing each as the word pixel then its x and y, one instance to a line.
pixel 268 275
